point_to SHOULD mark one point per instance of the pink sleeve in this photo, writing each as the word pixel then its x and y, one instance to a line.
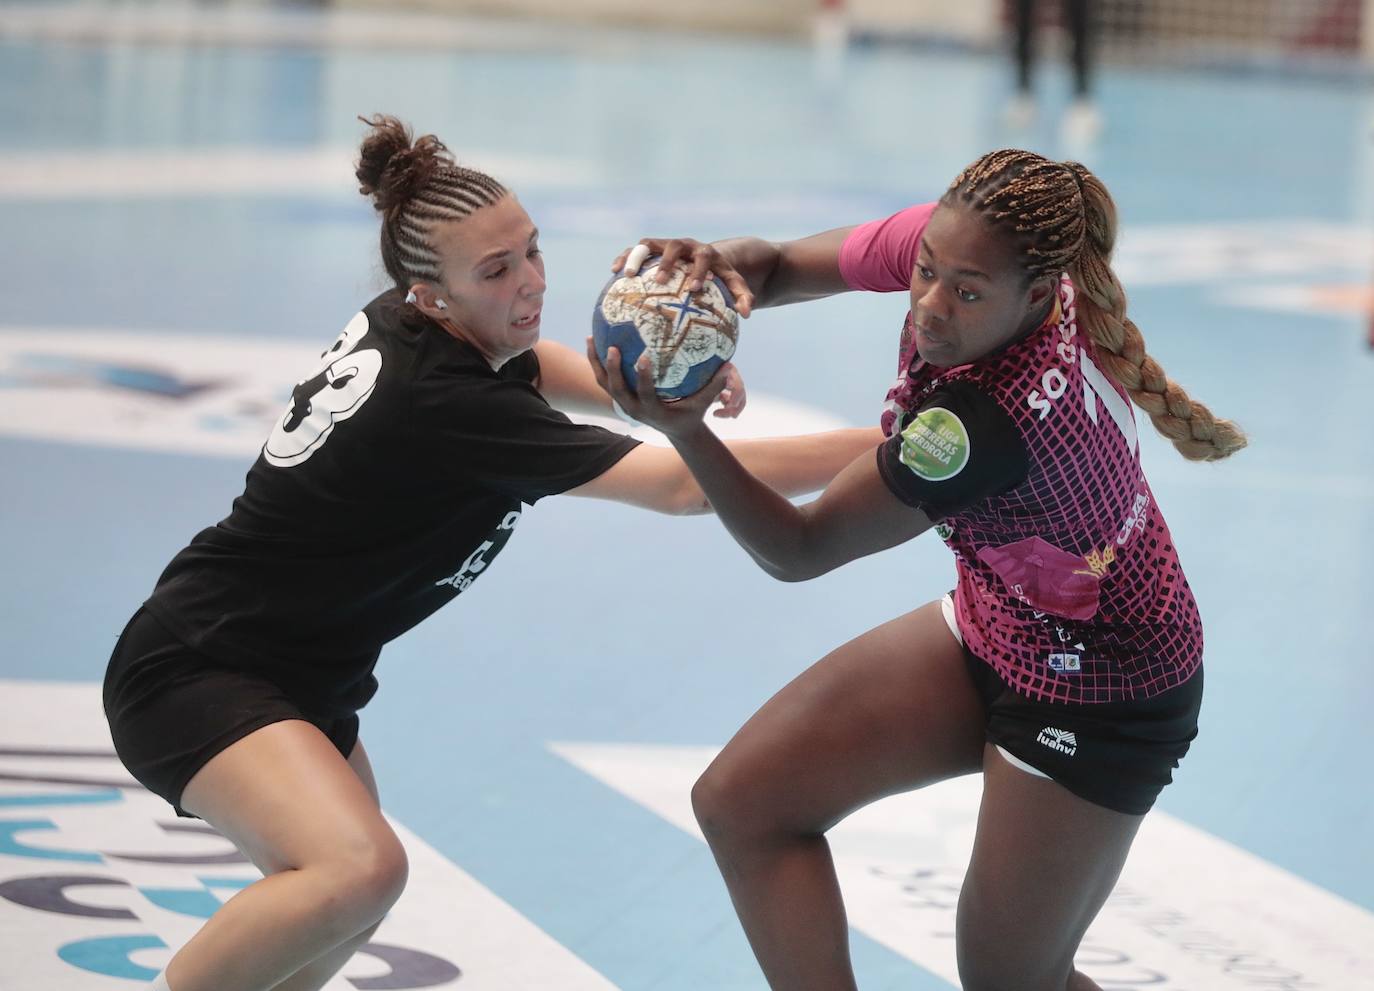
pixel 878 256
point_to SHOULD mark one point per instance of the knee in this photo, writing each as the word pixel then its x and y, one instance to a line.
pixel 362 938
pixel 381 872
pixel 366 877
pixel 725 801
pixel 977 976
pixel 999 977
pixel 1003 956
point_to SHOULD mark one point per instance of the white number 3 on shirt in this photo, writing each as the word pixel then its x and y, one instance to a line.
pixel 337 389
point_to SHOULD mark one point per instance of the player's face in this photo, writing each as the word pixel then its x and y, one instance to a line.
pixel 969 296
pixel 494 278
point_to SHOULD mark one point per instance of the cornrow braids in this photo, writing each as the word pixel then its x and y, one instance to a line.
pixel 1062 219
pixel 415 184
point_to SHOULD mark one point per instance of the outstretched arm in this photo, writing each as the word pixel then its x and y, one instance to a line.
pixel 567 382
pixel 855 516
pixel 759 273
pixel 657 478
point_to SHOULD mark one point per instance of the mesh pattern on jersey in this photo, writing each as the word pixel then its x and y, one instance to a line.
pixel 1069 584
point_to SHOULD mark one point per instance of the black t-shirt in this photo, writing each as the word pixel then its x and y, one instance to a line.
pixel 393 480
pixel 957 449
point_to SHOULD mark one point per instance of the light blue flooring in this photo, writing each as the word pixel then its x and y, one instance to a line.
pixel 708 139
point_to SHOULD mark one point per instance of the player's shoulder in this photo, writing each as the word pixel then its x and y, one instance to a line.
pixel 964 404
pixel 452 387
pixel 914 217
pixel 962 389
pixel 970 397
pixel 888 238
pixel 955 449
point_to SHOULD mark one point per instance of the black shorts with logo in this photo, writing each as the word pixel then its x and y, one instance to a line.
pixel 171 709
pixel 1119 755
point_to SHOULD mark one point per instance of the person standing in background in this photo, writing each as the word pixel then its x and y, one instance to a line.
pixel 1082 121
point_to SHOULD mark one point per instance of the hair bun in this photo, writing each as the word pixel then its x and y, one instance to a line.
pixel 392 167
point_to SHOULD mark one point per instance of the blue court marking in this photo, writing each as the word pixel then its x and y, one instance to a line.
pixel 565 638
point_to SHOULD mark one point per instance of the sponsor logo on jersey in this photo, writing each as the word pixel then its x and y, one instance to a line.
pixel 1065 663
pixel 476 562
pixel 1058 739
pixel 1098 561
pixel 935 445
pixel 1135 519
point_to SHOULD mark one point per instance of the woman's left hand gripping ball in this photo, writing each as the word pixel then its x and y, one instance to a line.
pixel 673 419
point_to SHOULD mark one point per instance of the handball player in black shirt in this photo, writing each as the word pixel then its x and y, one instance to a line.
pixel 390 484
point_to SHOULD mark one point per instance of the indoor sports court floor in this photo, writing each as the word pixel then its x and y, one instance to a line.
pixel 181 235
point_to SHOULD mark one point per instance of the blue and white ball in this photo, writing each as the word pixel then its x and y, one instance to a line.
pixel 688 335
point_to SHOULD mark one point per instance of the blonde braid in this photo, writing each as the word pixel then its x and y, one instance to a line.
pixel 1063 220
pixel 1198 435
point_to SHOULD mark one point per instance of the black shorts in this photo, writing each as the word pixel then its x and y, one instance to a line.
pixel 1119 755
pixel 171 709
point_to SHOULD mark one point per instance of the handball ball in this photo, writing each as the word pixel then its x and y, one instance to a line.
pixel 688 335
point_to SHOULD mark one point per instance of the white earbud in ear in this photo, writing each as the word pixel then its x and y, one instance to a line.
pixel 410 298
pixel 440 304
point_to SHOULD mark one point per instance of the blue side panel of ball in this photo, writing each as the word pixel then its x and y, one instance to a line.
pixel 626 337
pixel 622 335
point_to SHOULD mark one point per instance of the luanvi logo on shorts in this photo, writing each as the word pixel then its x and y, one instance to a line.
pixel 935 444
pixel 1058 739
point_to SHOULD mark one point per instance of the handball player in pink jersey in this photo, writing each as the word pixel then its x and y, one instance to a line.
pixel 1067 664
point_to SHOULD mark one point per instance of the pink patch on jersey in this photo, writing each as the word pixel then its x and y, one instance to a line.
pixel 1045 577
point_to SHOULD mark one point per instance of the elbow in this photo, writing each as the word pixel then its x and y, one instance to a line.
pixel 687 499
pixel 801 563
pixel 798 560
pixel 685 504
pixel 699 506
pixel 791 573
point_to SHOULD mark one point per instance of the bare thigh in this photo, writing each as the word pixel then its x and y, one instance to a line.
pixel 1044 862
pixel 362 767
pixel 286 797
pixel 892 710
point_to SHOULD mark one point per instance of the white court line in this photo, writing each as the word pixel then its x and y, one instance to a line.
pixel 1191 911
pixel 196 24
pixel 90 175
pixel 1261 250
pixel 53 387
pixel 215 395
pixel 445 920
pixel 1301 299
pixel 1149 255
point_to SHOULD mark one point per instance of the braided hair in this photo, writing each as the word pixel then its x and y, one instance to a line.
pixel 1061 218
pixel 415 184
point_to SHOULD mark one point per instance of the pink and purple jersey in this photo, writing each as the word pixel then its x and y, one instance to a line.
pixel 1068 581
